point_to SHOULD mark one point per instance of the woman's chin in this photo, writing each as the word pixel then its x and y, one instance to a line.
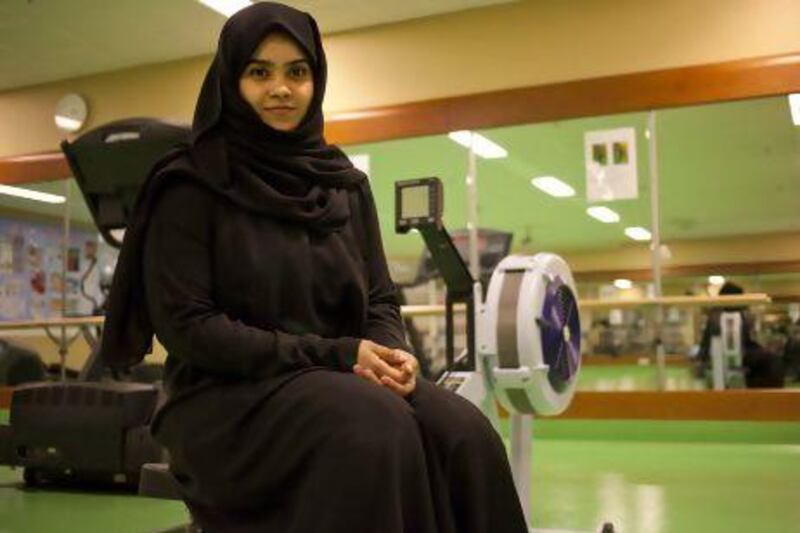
pixel 281 125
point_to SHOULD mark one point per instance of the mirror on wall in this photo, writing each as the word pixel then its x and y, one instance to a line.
pixel 727 193
pixel 37 283
pixel 35 280
pixel 727 196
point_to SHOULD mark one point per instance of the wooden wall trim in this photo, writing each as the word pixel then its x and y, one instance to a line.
pixel 671 360
pixel 47 166
pixel 730 405
pixel 5 397
pixel 718 82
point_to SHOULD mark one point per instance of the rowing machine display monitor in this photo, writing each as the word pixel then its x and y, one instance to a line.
pixel 418 203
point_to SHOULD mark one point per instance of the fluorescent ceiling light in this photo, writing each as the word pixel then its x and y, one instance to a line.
pixel 35 157
pixel 28 194
pixel 603 214
pixel 623 284
pixel 637 233
pixel 794 107
pixel 68 124
pixel 716 280
pixel 226 7
pixel 553 186
pixel 482 146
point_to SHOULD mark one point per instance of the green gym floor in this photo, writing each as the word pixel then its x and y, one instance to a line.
pixel 642 476
pixel 636 377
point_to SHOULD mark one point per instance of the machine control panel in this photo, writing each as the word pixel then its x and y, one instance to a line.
pixel 418 203
pixel 452 382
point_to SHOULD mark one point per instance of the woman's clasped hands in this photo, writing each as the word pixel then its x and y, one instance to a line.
pixel 393 368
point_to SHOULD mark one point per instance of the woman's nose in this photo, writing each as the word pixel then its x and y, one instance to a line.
pixel 280 90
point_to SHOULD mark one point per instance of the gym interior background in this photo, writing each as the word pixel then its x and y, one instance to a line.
pixel 702 93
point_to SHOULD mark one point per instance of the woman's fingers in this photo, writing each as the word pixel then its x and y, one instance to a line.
pixel 411 364
pixel 367 374
pixel 399 365
pixel 403 389
pixel 406 362
pixel 394 357
pixel 402 360
pixel 383 368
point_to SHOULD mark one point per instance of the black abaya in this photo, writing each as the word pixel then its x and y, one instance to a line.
pixel 267 427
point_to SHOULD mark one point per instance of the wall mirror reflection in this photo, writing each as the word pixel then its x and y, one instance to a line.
pixel 727 192
pixel 580 188
pixel 41 277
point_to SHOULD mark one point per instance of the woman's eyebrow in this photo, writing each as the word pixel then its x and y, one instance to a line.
pixel 268 63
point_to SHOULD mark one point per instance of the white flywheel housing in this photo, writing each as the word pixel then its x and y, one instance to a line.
pixel 531 334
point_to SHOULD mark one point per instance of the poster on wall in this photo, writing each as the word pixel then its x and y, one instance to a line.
pixel 611 172
pixel 35 281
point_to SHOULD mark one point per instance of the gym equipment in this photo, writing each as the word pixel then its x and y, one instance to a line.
pixel 493 246
pixel 727 369
pixel 82 433
pixel 111 162
pixel 92 431
pixel 19 365
pixel 523 340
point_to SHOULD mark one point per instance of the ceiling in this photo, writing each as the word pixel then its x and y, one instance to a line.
pixel 725 169
pixel 48 40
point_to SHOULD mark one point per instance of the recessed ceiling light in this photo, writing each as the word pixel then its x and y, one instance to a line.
pixel 28 194
pixel 638 233
pixel 482 146
pixel 623 284
pixel 716 280
pixel 226 7
pixel 553 186
pixel 603 214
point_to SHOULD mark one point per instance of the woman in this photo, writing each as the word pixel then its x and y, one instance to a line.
pixel 255 256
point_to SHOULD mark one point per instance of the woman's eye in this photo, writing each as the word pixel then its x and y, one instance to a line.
pixel 299 72
pixel 258 72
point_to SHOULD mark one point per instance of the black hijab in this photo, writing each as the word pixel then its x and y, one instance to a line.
pixel 291 175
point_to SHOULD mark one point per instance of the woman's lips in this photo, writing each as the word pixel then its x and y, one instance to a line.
pixel 282 111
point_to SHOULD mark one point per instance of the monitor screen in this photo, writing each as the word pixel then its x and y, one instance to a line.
pixel 415 202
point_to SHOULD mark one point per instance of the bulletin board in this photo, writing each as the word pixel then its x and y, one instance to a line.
pixel 31 277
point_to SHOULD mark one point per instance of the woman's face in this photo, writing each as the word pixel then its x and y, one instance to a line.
pixel 278 82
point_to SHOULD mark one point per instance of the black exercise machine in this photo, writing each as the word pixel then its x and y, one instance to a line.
pixel 94 430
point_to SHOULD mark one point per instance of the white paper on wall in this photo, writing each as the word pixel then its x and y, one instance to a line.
pixel 361 162
pixel 610 157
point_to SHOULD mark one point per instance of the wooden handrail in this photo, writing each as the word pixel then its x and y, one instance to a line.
pixel 734 300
